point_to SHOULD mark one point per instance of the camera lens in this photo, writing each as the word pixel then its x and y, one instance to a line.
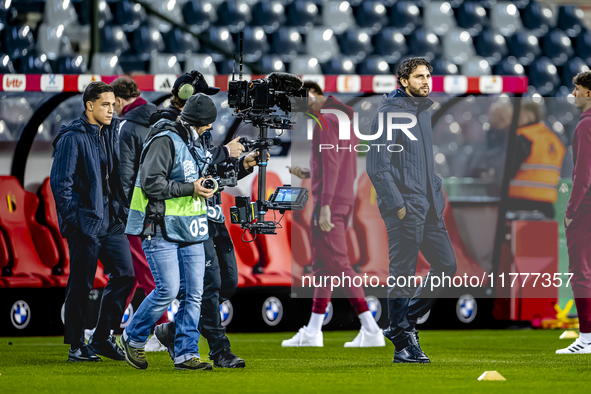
pixel 211 184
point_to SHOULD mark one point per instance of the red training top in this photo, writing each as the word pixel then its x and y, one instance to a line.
pixel 580 196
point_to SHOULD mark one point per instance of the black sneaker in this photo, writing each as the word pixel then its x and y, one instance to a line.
pixel 194 363
pixel 136 357
pixel 107 348
pixel 413 339
pixel 165 334
pixel 412 352
pixel 227 359
pixel 83 353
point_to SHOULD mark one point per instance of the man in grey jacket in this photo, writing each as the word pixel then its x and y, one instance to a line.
pixel 411 203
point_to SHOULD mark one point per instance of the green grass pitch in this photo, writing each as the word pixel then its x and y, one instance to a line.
pixel 524 357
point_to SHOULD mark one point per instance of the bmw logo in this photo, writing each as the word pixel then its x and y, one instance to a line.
pixel 127 316
pixel 20 314
pixel 375 307
pixel 226 312
pixel 466 308
pixel 172 309
pixel 328 314
pixel 272 311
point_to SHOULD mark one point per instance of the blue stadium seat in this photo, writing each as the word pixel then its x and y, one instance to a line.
pixel 543 76
pixel 509 66
pixel 424 44
pixel 406 16
pixel 69 64
pixel 225 68
pixel 443 66
pixel 504 18
pixel 391 44
pixel 199 15
pixel 128 15
pixel 475 67
pixel 105 64
pixel 305 64
pixel 472 17
pixel 222 38
pixel 234 15
pixel 164 63
pixel 271 63
pixel 8 14
pixel 583 46
pixel 556 45
pixel 255 43
pixel 458 46
pixel 133 64
pixel 491 46
pixel 270 15
pixel 302 14
pixel 537 18
pixel 113 39
pixel 182 45
pixel 374 65
pixel 572 68
pixel 338 16
pixel 322 42
pixel 170 9
pixel 34 63
pixel 287 42
pixel 51 40
pixel 356 44
pixel 84 10
pixel 6 66
pixel 18 41
pixel 439 17
pixel 202 62
pixel 524 46
pixel 147 42
pixel 338 66
pixel 59 12
pixel 571 19
pixel 372 15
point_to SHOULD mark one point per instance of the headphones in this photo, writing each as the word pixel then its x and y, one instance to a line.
pixel 187 89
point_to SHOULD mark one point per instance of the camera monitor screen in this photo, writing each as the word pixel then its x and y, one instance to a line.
pixel 286 197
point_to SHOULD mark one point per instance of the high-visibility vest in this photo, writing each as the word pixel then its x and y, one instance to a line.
pixel 538 176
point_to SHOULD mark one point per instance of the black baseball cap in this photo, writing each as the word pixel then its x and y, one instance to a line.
pixel 197 81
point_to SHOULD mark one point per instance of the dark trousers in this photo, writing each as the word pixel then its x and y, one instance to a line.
pixel 406 237
pixel 578 234
pixel 113 251
pixel 220 281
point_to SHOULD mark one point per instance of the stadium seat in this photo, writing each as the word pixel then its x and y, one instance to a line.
pixel 572 68
pixel 557 46
pixel 59 12
pixel 170 9
pixel 583 46
pixel 509 66
pixel 105 64
pixel 443 66
pixel 113 39
pixel 26 268
pixel 356 44
pixel 524 46
pixel 18 41
pixel 302 14
pixel 543 76
pixel 271 63
pixel 35 64
pixel 458 46
pixel 270 15
pixel 321 42
pixel 287 43
pixel 6 66
pixel 491 46
pixel 52 41
pixel 338 16
pixel 128 15
pixel 405 16
pixel 255 44
pixel 505 19
pixel 222 38
pixel 439 17
pixel 71 64
pixel 199 15
pixel 164 63
pixel 472 17
pixel 202 62
pixel 84 11
pixel 305 64
pixel 537 18
pixel 372 15
pixel 339 66
pixel 571 19
pixel 391 44
pixel 182 45
pixel 8 15
pixel 374 65
pixel 225 67
pixel 424 44
pixel 147 42
pixel 234 14
pixel 476 66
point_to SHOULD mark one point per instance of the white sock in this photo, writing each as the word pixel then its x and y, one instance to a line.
pixel 315 324
pixel 585 337
pixel 369 322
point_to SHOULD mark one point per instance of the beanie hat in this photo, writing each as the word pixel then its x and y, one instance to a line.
pixel 199 110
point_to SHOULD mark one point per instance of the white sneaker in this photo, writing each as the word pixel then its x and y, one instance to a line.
pixel 302 338
pixel 577 347
pixel 367 339
pixel 154 345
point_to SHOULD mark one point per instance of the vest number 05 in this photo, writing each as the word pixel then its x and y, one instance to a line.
pixel 199 229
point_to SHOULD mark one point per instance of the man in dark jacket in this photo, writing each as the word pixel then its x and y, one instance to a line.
pixel 92 210
pixel 411 203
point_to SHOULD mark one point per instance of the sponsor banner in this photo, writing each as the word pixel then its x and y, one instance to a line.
pixel 491 84
pixel 455 84
pixel 319 79
pixel 14 82
pixel 383 83
pixel 85 80
pixel 164 82
pixel 52 83
pixel 348 83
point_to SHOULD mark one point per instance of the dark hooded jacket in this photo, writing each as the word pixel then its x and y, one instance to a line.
pixel 76 180
pixel 405 178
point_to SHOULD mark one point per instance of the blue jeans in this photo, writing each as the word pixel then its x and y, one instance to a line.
pixel 175 267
